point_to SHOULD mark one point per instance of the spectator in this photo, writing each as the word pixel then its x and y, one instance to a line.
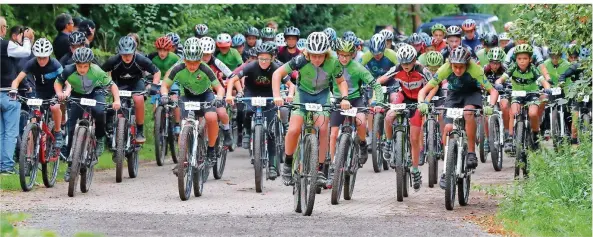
pixel 64 25
pixel 273 25
pixel 508 26
pixel 88 28
pixel 19 46
pixel 76 21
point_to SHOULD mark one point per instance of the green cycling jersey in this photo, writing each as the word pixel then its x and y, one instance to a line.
pixel 165 64
pixel 84 84
pixel 556 71
pixel 527 80
pixel 196 82
pixel 355 75
pixel 314 79
pixel 232 59
pixel 470 81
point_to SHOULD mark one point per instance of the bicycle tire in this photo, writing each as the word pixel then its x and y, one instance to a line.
pixel 309 182
pixel 29 169
pixel 258 144
pixel 464 183
pixel 218 168
pixel 160 145
pixel 481 138
pixel 398 154
pixel 76 156
pixel 431 153
pixel 344 144
pixel 184 168
pixel 172 140
pixel 350 177
pixel 377 152
pixel 49 169
pixel 495 144
pixel 199 179
pixel 132 156
pixel 87 171
pixel 519 148
pixel 120 151
pixel 450 175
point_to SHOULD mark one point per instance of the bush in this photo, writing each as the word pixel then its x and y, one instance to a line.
pixel 556 199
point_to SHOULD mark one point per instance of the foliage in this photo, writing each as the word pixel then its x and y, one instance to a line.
pixel 556 199
pixel 8 229
pixel 557 25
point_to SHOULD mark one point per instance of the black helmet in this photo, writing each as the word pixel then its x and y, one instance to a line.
pixel 292 31
pixel 126 45
pixel 490 40
pixel 252 31
pixel 76 38
pixel 251 52
pixel 459 55
pixel 82 55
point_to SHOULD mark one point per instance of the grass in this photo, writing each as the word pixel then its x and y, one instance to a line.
pixel 12 182
pixel 556 199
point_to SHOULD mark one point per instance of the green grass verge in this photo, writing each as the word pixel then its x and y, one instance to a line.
pixel 12 182
pixel 556 199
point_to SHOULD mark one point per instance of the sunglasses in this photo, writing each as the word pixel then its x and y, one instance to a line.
pixel 264 59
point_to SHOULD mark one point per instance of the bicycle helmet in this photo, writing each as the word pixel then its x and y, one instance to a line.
pixel 397 46
pixel 434 58
pixel 490 40
pixel 317 43
pixel 292 31
pixel 573 50
pixel 82 55
pixel 402 38
pixel 238 40
pixel 459 55
pixel 415 39
pixel 163 42
pixel 585 52
pixel 76 38
pixel 358 42
pixel 42 48
pixel 428 42
pixel 301 44
pixel 192 50
pixel 344 46
pixel 406 54
pixel 265 48
pixel 252 31
pixel 349 35
pixel 504 36
pixel 223 40
pixel 453 31
pixel 201 30
pixel 331 33
pixel 126 45
pixel 279 40
pixel 495 54
pixel 207 45
pixel 268 33
pixel 438 26
pixel 387 34
pixel 174 38
pixel 478 47
pixel 555 50
pixel 250 52
pixel 468 24
pixel 424 36
pixel 524 48
pixel 377 44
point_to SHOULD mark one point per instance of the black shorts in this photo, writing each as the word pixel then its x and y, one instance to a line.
pixel 207 96
pixel 137 85
pixel 530 98
pixel 460 100
pixel 336 118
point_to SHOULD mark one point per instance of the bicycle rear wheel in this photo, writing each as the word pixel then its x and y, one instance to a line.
pixel 87 167
pixel 218 168
pixel 482 138
pixel 495 144
pixel 350 174
pixel 201 167
pixel 258 146
pixel 29 156
pixel 132 155
pixel 77 149
pixel 120 152
pixel 340 168
pixel 160 144
pixel 451 175
pixel 184 167
pixel 309 171
pixel 49 169
pixel 377 152
pixel 431 154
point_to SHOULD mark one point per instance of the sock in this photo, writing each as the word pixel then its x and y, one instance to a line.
pixel 177 124
pixel 363 143
pixel 140 127
pixel 574 141
pixel 210 149
pixel 288 160
pixel 320 166
pixel 226 126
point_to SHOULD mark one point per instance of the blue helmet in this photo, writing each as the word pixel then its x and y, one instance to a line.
pixel 301 44
pixel 377 44
pixel 428 41
pixel 238 40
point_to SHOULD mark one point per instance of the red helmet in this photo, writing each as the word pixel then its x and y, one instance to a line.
pixel 163 43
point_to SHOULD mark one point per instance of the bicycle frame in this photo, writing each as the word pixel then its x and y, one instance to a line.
pixel 459 133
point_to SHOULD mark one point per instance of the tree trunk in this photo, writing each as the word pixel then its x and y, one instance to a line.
pixel 416 20
pixel 397 20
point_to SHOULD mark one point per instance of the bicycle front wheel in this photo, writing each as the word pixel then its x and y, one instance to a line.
pixel 338 180
pixel 29 156
pixel 77 150
pixel 160 145
pixel 184 167
pixel 258 147
pixel 309 172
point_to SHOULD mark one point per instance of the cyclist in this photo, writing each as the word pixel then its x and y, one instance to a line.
pixel 428 47
pixel 76 40
pixel 197 81
pixel 238 43
pixel 44 70
pixel 258 83
pixel 416 41
pixel 438 31
pixel 465 78
pixel 177 47
pixel 556 66
pixel 86 80
pixel 490 41
pixel 332 36
pixel 355 75
pixel 453 40
pixel 573 73
pixel 164 60
pixel 525 77
pixel 503 40
pixel 251 38
pixel 494 70
pixel 268 34
pixel 127 69
pixel 471 37
pixel 412 77
pixel 286 53
pixel 227 55
pixel 201 30
pixel 434 60
pixel 388 38
pixel 359 45
pixel 317 69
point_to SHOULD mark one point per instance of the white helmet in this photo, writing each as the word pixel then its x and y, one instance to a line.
pixel 223 40
pixel 192 50
pixel 406 54
pixel 279 40
pixel 387 34
pixel 42 48
pixel 317 43
pixel 207 44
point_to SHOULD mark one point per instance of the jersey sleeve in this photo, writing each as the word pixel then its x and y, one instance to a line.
pixel 110 63
pixel 441 74
pixel 176 69
pixel 392 71
pixel 367 78
pixel 477 73
pixel 538 58
pixel 209 73
pixel 103 78
pixel 146 64
pixel 366 58
pixel 68 70
pixel 246 69
pixel 29 66
pixel 508 59
pixel 391 55
pixel 152 55
pixel 338 70
pixel 295 63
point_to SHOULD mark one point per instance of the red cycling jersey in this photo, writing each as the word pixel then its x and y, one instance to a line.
pixel 410 82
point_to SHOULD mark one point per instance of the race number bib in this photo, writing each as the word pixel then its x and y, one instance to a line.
pixel 556 90
pixel 454 113
pixel 398 106
pixel 258 101
pixel 192 105
pixel 34 102
pixel 88 102
pixel 313 107
pixel 519 93
pixel 350 112
pixel 125 93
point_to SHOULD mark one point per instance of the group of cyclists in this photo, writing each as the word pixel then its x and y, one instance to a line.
pixel 454 63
